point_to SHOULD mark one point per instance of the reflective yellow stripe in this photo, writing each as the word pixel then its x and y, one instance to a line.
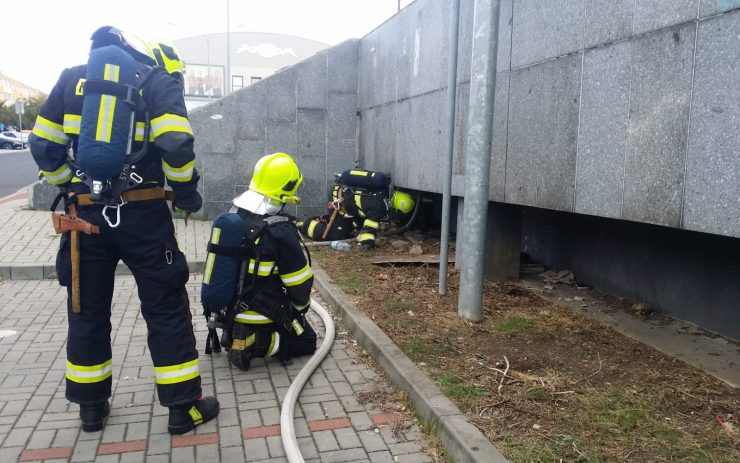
pixel 89 374
pixel 250 317
pixel 301 307
pixel 72 123
pixel 362 173
pixel 365 237
pixel 195 415
pixel 170 123
pixel 358 200
pixel 296 278
pixel 178 174
pixel 297 327
pixel 266 267
pixel 48 130
pixel 371 224
pixel 59 176
pixel 139 132
pixel 79 88
pixel 241 344
pixel 177 373
pixel 107 106
pixel 274 344
pixel 215 237
pixel 311 227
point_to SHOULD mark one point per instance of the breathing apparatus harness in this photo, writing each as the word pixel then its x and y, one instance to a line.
pixel 108 192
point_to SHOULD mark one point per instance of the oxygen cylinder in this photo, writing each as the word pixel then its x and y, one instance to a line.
pixel 106 123
pixel 364 179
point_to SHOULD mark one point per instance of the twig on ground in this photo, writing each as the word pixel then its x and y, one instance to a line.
pixel 503 377
pixel 592 374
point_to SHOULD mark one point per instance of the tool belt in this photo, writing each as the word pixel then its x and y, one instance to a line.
pixel 129 196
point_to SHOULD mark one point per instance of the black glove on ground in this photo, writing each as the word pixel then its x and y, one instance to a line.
pixel 368 246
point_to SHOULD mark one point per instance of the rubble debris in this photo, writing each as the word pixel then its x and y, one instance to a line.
pixel 563 276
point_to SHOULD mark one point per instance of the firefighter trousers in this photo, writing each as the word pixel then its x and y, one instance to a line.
pixel 145 241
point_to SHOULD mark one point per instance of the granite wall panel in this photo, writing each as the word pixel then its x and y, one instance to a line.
pixel 608 21
pixel 662 64
pixel 545 29
pixel 651 15
pixel 281 101
pixel 712 196
pixel 311 82
pixel 342 67
pixel 602 139
pixel 311 133
pixel 543 128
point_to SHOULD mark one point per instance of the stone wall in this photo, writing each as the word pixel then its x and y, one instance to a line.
pixel 308 110
pixel 613 108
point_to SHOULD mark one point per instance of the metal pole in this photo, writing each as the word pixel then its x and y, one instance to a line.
pixel 447 173
pixel 478 157
pixel 227 87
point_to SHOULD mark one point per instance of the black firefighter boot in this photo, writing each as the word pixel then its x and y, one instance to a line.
pixel 184 418
pixel 93 416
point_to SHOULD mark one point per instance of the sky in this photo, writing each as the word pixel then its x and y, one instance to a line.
pixel 42 37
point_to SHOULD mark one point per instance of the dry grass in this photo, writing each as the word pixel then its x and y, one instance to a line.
pixel 543 383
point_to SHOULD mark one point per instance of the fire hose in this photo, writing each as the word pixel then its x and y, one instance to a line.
pixel 287 426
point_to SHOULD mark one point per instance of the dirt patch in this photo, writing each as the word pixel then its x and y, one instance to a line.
pixel 542 382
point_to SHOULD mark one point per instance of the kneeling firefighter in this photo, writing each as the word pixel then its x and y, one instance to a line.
pixel 123 118
pixel 359 201
pixel 257 280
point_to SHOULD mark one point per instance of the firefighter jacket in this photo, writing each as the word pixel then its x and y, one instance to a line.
pixel 278 277
pixel 169 155
pixel 368 208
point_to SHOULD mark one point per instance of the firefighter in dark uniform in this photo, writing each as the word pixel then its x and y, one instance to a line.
pixel 356 207
pixel 144 239
pixel 270 318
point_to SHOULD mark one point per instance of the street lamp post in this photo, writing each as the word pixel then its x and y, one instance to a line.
pixel 227 86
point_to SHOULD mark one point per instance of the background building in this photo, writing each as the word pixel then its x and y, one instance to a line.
pixel 254 56
pixel 12 90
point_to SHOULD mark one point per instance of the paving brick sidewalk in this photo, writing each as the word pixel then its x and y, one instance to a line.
pixel 38 424
pixel 27 237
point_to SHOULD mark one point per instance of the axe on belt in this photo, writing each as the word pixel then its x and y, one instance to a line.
pixel 69 222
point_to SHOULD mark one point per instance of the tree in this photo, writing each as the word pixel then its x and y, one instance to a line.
pixel 30 111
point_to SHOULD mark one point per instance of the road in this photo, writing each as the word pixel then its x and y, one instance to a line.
pixel 17 170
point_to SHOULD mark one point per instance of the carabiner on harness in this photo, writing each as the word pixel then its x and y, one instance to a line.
pixel 117 207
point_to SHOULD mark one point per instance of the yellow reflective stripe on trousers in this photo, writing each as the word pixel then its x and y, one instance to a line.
pixel 177 373
pixel 48 130
pixel 361 173
pixel 179 174
pixel 72 123
pixel 89 374
pixel 358 201
pixel 371 224
pixel 215 238
pixel 312 227
pixel 365 237
pixel 170 123
pixel 107 106
pixel 59 176
pixel 274 344
pixel 250 317
pixel 297 327
pixel 266 267
pixel 296 278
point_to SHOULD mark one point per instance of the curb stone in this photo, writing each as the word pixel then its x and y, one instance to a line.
pixel 463 441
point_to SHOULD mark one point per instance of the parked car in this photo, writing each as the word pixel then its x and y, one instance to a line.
pixel 13 140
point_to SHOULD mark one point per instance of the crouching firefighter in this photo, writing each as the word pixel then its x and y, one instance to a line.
pixel 109 136
pixel 360 200
pixel 257 280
